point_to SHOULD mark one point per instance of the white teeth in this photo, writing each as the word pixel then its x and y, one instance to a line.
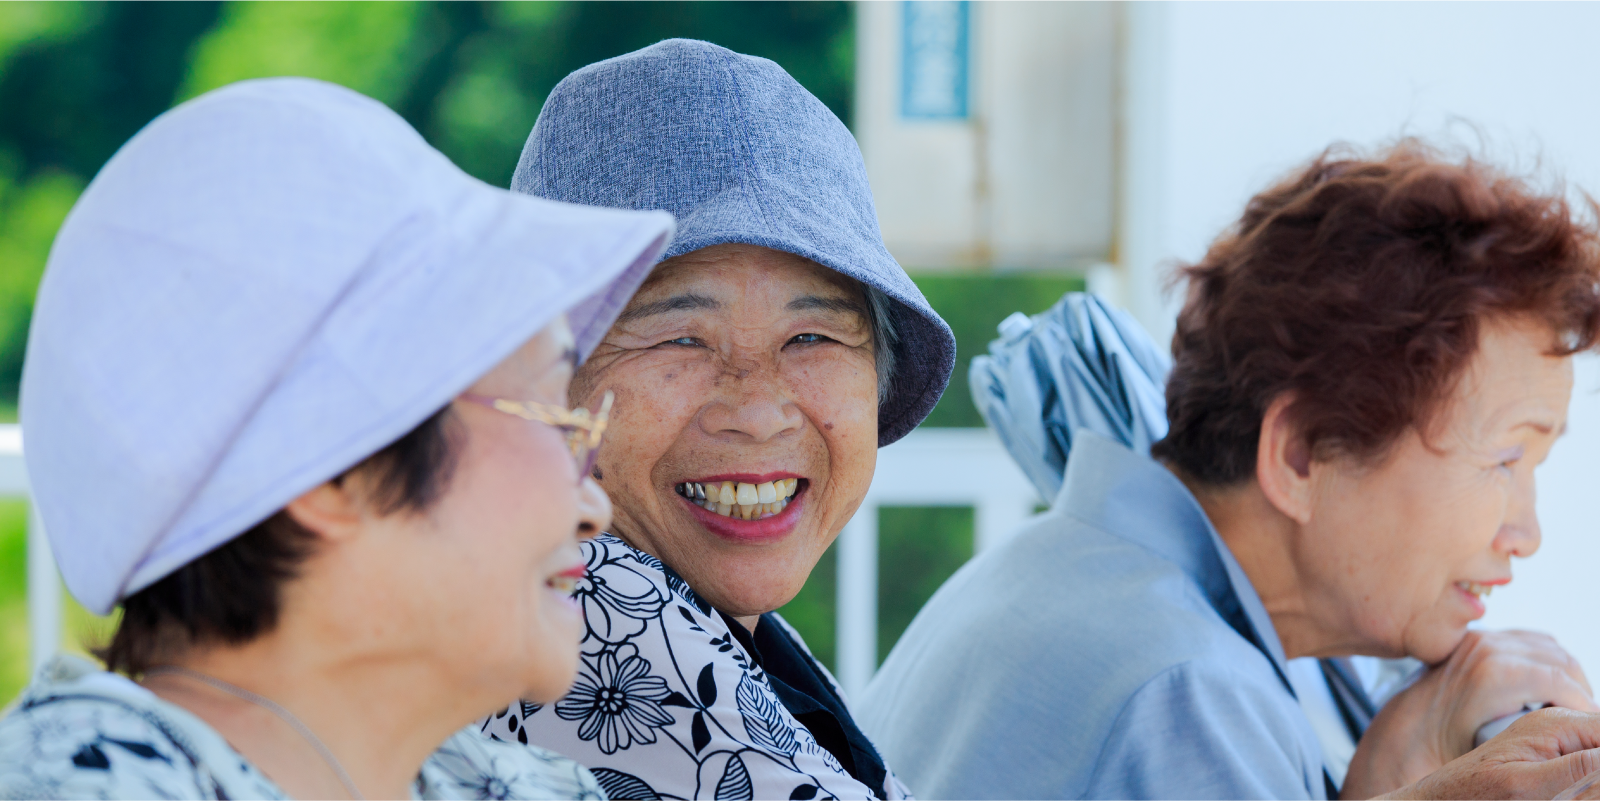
pixel 742 501
pixel 1473 587
pixel 563 584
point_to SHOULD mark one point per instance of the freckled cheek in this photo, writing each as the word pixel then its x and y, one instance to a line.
pixel 648 416
pixel 836 390
pixel 849 429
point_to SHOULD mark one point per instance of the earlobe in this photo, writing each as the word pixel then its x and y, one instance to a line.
pixel 1283 462
pixel 329 510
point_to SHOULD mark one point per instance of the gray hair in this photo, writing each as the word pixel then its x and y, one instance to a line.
pixel 884 338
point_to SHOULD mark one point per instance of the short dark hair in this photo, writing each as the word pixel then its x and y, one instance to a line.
pixel 1360 285
pixel 233 594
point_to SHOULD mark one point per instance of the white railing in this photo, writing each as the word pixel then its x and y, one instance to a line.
pixel 930 467
pixel 44 584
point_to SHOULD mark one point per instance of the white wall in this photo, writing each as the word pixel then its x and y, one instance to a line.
pixel 1025 180
pixel 1222 98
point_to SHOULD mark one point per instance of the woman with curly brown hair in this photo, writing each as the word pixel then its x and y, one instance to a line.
pixel 1367 369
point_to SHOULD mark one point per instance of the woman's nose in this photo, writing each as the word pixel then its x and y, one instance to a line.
pixel 1519 533
pixel 594 509
pixel 756 408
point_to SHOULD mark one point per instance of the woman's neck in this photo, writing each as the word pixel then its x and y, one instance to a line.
pixel 380 718
pixel 1261 540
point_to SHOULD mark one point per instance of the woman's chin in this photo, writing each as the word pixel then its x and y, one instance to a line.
pixel 1436 644
pixel 552 676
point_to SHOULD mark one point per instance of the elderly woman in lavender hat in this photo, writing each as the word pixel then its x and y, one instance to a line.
pixel 756 373
pixel 295 399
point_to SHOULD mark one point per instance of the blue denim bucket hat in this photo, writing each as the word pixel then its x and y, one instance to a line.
pixel 740 153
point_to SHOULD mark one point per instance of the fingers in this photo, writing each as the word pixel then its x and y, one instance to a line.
pixel 1589 787
pixel 1565 691
pixel 1541 755
pixel 1548 734
pixel 1504 670
pixel 1543 648
pixel 1562 775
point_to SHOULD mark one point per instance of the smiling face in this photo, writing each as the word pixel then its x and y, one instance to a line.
pixel 1398 555
pixel 748 374
pixel 482 578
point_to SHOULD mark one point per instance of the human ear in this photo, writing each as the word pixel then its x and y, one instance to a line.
pixel 329 510
pixel 1283 461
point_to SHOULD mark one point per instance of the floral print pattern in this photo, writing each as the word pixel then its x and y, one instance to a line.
pixel 617 702
pixel 668 705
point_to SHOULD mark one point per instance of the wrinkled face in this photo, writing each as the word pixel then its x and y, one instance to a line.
pixel 746 421
pixel 490 565
pixel 1401 554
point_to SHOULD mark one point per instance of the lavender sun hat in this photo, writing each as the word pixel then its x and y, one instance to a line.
pixel 266 285
pixel 738 152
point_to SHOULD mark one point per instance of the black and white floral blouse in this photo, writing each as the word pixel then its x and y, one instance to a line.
pixel 669 703
pixel 80 732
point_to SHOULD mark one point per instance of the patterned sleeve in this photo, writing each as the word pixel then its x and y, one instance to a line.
pixel 667 704
pixel 85 747
pixel 469 765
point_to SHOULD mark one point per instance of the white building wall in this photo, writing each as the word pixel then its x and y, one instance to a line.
pixel 1025 179
pixel 1223 98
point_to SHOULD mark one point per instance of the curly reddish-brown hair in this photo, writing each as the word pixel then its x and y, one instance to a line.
pixel 1360 285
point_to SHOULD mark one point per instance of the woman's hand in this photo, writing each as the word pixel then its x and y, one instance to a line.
pixel 1539 756
pixel 1432 722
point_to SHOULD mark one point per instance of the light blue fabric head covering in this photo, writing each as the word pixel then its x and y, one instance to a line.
pixel 266 285
pixel 1081 364
pixel 738 152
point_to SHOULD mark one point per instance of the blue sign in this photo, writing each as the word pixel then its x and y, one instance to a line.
pixel 933 77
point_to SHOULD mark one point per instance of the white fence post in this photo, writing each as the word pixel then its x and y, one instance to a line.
pixel 856 630
pixel 44 596
pixel 44 582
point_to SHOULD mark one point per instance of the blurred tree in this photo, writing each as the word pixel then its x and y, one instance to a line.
pixel 373 48
pixel 34 22
pixel 30 212
pixel 72 97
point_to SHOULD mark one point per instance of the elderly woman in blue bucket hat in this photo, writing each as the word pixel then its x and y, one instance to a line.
pixel 756 373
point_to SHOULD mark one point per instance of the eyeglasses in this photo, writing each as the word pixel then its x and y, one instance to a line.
pixel 584 430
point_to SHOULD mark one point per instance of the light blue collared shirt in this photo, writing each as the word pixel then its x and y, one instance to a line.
pixel 1112 649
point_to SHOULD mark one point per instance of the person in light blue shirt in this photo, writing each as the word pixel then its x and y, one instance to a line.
pixel 1064 588
pixel 1365 374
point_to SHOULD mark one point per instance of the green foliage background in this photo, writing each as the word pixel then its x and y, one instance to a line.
pixel 79 79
